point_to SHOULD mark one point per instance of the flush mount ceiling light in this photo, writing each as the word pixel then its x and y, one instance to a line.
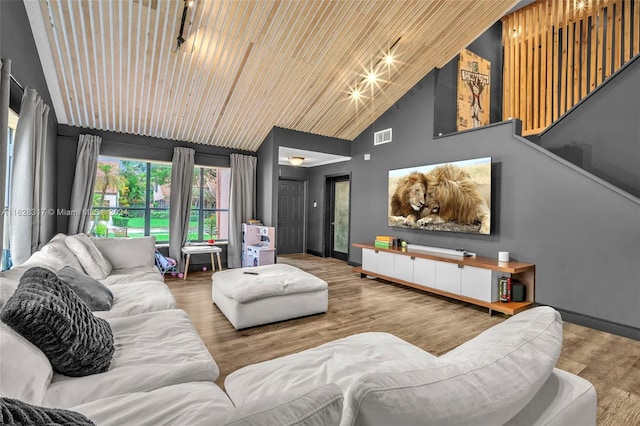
pixel 296 161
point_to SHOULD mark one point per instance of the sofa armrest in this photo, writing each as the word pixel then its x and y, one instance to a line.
pixel 127 252
pixel 564 399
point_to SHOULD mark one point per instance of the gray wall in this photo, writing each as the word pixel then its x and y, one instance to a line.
pixel 17 44
pixel 581 232
pixel 269 171
pixel 602 133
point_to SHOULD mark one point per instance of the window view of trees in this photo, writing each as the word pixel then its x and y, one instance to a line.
pixel 131 199
pixel 210 204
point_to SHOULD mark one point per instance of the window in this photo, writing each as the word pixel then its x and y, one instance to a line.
pixel 210 204
pixel 5 261
pixel 131 199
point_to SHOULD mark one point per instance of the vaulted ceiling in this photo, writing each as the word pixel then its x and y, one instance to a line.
pixel 245 66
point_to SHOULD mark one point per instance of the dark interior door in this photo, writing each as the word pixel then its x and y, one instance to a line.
pixel 338 194
pixel 291 195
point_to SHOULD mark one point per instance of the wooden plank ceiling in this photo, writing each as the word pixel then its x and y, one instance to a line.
pixel 247 66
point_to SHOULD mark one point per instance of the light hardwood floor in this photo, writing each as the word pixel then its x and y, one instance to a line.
pixel 436 324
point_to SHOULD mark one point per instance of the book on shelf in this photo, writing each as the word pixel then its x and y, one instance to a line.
pixel 383 244
pixel 504 289
pixel 386 238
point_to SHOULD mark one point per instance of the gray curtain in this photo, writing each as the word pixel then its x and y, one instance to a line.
pixel 27 178
pixel 242 203
pixel 83 183
pixel 5 75
pixel 180 201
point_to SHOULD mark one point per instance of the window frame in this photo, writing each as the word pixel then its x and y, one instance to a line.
pixel 148 209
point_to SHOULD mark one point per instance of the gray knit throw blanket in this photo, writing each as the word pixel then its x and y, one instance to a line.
pixel 14 412
pixel 50 315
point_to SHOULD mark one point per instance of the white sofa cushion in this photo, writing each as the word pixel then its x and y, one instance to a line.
pixel 486 380
pixel 93 262
pixel 127 252
pixel 340 361
pixel 192 404
pixel 138 297
pixel 153 350
pixel 131 275
pixel 58 248
pixel 300 407
pixel 25 371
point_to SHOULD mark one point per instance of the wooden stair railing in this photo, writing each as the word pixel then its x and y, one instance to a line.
pixel 558 51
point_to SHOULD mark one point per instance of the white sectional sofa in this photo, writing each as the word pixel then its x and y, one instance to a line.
pixel 135 281
pixel 161 373
pixel 505 375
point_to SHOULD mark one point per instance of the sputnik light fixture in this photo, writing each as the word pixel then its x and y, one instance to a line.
pixel 372 76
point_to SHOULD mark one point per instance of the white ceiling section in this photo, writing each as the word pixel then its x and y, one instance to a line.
pixel 245 66
pixel 311 158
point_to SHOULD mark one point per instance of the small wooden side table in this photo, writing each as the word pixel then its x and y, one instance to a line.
pixel 188 250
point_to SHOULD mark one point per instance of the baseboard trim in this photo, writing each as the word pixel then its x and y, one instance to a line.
pixel 600 324
pixel 315 253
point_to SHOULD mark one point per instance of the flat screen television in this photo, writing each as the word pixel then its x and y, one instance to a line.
pixel 453 197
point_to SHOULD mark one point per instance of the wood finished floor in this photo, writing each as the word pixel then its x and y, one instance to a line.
pixel 436 324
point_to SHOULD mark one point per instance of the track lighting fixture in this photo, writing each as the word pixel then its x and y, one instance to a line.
pixel 180 39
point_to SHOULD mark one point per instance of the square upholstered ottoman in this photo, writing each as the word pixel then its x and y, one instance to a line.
pixel 265 294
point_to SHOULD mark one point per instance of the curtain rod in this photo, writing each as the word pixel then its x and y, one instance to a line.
pixel 16 82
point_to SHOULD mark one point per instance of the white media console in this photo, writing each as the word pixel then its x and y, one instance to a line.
pixel 456 274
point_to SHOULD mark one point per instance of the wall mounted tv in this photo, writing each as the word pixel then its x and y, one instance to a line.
pixel 454 197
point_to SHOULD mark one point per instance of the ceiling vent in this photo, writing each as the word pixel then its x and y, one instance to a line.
pixel 383 136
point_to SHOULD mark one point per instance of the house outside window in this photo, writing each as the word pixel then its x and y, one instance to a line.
pixel 132 199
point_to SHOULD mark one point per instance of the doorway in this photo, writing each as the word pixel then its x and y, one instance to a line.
pixel 291 220
pixel 337 216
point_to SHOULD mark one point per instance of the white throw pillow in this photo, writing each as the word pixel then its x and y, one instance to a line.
pixel 43 260
pixel 93 262
pixel 25 371
pixel 486 380
pixel 128 252
pixel 58 248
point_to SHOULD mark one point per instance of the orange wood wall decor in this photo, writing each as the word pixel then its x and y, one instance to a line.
pixel 474 88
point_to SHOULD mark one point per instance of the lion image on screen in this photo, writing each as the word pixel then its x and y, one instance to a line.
pixel 409 200
pixel 454 196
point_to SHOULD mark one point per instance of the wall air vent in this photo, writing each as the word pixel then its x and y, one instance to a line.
pixel 383 136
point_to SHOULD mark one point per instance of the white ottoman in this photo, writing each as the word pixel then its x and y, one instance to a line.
pixel 265 294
